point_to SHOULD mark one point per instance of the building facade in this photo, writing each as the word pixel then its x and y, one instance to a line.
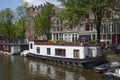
pixel 80 32
pixel 31 13
pixel 109 31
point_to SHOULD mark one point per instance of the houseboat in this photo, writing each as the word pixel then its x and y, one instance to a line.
pixel 76 54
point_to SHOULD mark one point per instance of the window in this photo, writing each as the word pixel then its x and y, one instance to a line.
pixel 105 28
pixel 92 52
pixel 112 28
pixel 93 36
pixel 38 49
pixel 74 37
pixel 76 54
pixel 31 45
pixel 108 36
pixel 48 51
pixel 89 52
pixel 104 36
pixel 57 21
pixel 101 28
pixel 87 27
pixel 98 52
pixel 100 36
pixel 60 52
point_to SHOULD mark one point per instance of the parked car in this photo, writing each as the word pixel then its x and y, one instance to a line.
pixel 117 49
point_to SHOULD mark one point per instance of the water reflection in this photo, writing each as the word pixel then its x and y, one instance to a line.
pixel 52 72
pixel 59 72
pixel 22 68
pixel 12 68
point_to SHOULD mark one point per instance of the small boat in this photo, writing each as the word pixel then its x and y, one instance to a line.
pixel 113 74
pixel 83 55
pixel 24 53
pixel 106 66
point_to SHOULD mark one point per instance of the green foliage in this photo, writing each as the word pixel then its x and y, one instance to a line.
pixel 13 25
pixel 42 22
pixel 20 28
pixel 6 21
pixel 20 23
pixel 41 26
pixel 50 41
pixel 93 41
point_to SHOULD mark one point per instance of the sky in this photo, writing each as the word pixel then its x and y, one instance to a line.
pixel 9 4
pixel 14 3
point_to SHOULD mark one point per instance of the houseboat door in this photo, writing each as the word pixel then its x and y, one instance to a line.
pixel 76 53
pixel 92 53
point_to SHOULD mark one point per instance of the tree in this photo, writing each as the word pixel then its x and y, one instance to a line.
pixel 21 19
pixel 42 22
pixel 77 10
pixel 6 21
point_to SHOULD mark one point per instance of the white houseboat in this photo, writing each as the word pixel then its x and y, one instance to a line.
pixel 83 55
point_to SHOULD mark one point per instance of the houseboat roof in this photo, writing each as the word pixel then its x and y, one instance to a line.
pixel 46 42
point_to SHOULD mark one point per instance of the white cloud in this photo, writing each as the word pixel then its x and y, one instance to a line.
pixel 38 2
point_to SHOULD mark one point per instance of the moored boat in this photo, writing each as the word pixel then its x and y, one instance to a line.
pixel 24 53
pixel 113 74
pixel 106 66
pixel 83 55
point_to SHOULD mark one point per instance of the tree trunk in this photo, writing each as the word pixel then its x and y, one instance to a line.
pixel 98 23
pixel 98 33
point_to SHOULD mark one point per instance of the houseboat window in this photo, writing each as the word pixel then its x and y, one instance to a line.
pixel 76 53
pixel 31 45
pixel 38 49
pixel 92 52
pixel 98 51
pixel 60 52
pixel 48 51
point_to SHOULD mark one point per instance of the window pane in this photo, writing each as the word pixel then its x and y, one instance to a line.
pixel 38 49
pixel 31 45
pixel 60 52
pixel 48 51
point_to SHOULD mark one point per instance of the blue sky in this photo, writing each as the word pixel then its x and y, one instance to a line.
pixel 14 3
pixel 9 4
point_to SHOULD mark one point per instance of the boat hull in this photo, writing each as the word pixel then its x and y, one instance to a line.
pixel 112 76
pixel 86 63
pixel 106 66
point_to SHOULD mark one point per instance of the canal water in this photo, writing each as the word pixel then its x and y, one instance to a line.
pixel 15 67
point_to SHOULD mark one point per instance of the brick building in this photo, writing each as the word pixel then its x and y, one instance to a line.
pixel 31 13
